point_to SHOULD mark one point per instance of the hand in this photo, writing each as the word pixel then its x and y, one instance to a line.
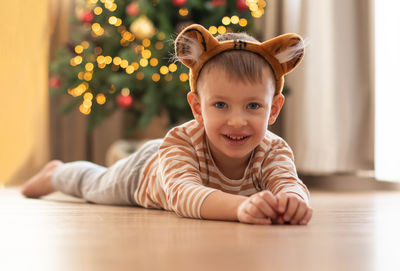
pixel 292 209
pixel 259 208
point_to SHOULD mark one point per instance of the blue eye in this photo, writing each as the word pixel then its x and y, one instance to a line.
pixel 220 105
pixel 253 106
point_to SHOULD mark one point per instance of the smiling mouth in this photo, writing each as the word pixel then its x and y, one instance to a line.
pixel 236 138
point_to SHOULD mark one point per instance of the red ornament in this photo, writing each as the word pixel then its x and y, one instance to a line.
pixel 55 82
pixel 132 9
pixel 87 16
pixel 216 3
pixel 124 101
pixel 241 5
pixel 178 3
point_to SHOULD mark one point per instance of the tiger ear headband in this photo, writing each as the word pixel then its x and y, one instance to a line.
pixel 194 46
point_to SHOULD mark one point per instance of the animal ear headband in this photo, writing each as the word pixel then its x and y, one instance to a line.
pixel 194 46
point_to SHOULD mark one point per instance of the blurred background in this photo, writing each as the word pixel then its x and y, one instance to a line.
pixel 79 76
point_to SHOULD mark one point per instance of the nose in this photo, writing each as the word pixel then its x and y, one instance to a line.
pixel 237 120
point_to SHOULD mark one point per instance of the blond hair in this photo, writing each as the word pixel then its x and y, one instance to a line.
pixel 241 65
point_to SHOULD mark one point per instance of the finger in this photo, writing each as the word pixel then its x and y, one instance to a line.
pixel 256 220
pixel 300 213
pixel 270 198
pixel 291 208
pixel 307 217
pixel 254 211
pixel 282 202
pixel 278 220
pixel 263 206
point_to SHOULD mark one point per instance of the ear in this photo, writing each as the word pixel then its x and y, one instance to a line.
pixel 194 102
pixel 193 42
pixel 288 51
pixel 276 106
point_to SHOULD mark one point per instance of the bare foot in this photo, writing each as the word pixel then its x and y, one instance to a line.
pixel 40 184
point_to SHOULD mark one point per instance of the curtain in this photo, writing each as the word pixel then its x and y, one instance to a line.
pixel 328 115
pixel 24 41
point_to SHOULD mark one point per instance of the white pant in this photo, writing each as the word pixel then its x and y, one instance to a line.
pixel 115 185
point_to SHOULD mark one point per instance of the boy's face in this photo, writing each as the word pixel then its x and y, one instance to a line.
pixel 235 114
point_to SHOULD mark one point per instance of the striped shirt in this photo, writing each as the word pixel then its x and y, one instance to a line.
pixel 182 174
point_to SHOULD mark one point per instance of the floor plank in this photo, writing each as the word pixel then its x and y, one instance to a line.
pixel 349 231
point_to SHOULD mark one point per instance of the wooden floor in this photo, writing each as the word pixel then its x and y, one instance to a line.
pixel 349 231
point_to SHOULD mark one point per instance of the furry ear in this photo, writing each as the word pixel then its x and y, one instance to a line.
pixel 192 43
pixel 287 49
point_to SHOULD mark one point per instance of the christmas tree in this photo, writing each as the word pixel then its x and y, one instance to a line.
pixel 120 55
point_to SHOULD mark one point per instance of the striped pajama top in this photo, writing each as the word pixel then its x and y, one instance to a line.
pixel 182 173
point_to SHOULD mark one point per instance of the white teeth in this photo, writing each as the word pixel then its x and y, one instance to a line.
pixel 236 137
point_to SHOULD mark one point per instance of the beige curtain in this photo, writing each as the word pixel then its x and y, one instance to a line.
pixel 24 41
pixel 328 116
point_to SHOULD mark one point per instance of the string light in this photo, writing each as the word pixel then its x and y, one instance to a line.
pixel 89 67
pixel 108 4
pixel 84 110
pixel 78 49
pixel 221 29
pixel 88 96
pixel 130 69
pixel 172 67
pixel 108 59
pixel 125 92
pixel 146 42
pixel 124 63
pixel 161 36
pixel 135 65
pixel 85 44
pixel 119 22
pixel 97 30
pixel 234 19
pixel 183 77
pixel 100 98
pixel 80 75
pixel 117 60
pixel 226 20
pixel 213 30
pixel 100 59
pixel 155 77
pixel 112 20
pixel 98 10
pixel 77 60
pixel 159 45
pixel 242 22
pixel 79 90
pixel 154 62
pixel 183 12
pixel 144 62
pixel 113 7
pixel 124 43
pixel 87 76
pixel 146 53
pixel 140 76
pixel 164 70
pixel 96 27
pixel 87 103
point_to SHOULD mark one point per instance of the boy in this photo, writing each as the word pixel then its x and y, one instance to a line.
pixel 223 165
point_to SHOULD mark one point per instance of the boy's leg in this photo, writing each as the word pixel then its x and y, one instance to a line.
pixel 114 185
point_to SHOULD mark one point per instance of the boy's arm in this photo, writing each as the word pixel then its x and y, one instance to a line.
pixel 221 206
pixel 260 208
pixel 279 171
